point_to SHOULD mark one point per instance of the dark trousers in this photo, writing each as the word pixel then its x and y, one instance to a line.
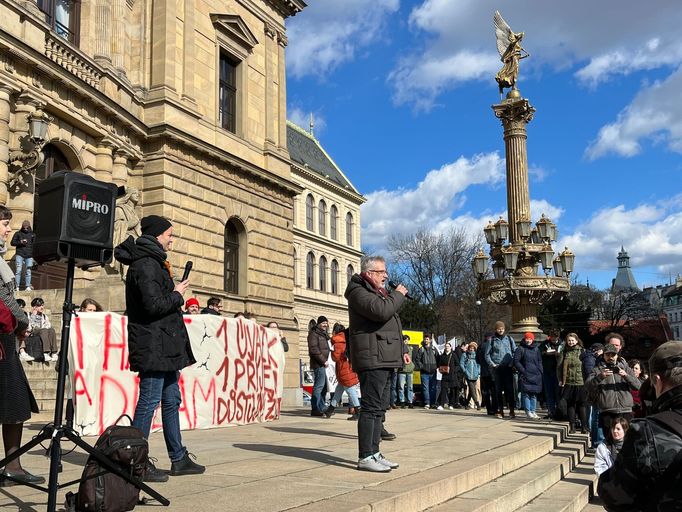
pixel 473 392
pixel 488 394
pixel 503 378
pixel 606 420
pixel 448 395
pixel 375 388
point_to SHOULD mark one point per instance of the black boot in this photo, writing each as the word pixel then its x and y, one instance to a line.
pixel 152 474
pixel 386 435
pixel 329 411
pixel 186 466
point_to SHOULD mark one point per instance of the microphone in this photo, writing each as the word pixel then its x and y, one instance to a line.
pixel 394 286
pixel 188 268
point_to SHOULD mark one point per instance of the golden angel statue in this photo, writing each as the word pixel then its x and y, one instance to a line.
pixel 509 46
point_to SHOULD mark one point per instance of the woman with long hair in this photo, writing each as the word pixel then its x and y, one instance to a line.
pixel 16 399
pixel 607 451
pixel 571 383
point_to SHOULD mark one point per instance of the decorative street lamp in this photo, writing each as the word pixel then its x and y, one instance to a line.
pixel 38 123
pixel 501 230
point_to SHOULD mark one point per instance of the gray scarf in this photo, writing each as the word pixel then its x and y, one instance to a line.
pixel 6 274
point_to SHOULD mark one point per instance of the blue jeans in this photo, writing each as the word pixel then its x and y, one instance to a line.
pixel 19 262
pixel 597 436
pixel 429 388
pixel 551 386
pixel 394 387
pixel 352 392
pixel 161 387
pixel 530 401
pixel 317 400
pixel 405 378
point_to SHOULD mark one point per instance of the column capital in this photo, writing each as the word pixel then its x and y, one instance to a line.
pixel 282 39
pixel 270 31
pixel 514 110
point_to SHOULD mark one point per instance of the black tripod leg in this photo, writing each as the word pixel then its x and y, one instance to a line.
pixel 45 435
pixel 106 463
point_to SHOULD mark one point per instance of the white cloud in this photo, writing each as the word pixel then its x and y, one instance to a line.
pixel 301 118
pixel 330 32
pixel 655 113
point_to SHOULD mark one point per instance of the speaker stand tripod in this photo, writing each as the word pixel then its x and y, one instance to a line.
pixel 55 431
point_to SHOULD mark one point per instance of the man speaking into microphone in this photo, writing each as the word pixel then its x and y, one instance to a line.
pixel 376 349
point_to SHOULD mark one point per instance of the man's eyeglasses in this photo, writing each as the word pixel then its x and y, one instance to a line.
pixel 378 271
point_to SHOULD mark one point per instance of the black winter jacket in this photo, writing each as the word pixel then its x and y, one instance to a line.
pixel 426 360
pixel 528 362
pixel 649 449
pixel 24 250
pixel 454 376
pixel 376 334
pixel 157 337
pixel 318 347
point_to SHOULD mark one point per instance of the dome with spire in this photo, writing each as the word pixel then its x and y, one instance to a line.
pixel 625 280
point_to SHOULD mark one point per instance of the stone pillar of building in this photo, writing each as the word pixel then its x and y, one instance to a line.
pixel 189 51
pixel 21 203
pixel 163 45
pixel 119 170
pixel 282 42
pixel 103 27
pixel 104 161
pixel 271 100
pixel 5 96
pixel 118 41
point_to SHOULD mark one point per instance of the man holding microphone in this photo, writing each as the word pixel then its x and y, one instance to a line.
pixel 376 349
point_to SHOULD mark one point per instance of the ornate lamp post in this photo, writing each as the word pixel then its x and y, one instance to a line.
pixel 38 122
pixel 516 280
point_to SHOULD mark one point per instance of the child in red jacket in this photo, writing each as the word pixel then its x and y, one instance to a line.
pixel 347 379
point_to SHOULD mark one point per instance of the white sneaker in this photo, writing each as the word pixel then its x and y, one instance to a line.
pixel 23 355
pixel 54 357
pixel 450 407
pixel 47 357
pixel 383 460
pixel 28 289
pixel 371 464
pixel 427 407
pixel 439 408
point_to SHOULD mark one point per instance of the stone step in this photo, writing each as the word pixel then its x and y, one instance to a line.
pixel 515 489
pixel 571 494
pixel 595 505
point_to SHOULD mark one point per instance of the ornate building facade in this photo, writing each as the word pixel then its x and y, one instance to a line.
pixel 184 101
pixel 326 235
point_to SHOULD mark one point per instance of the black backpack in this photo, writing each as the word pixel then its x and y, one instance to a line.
pixel 102 491
pixel 34 348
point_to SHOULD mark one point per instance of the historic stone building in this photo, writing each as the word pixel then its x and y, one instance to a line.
pixel 184 101
pixel 326 234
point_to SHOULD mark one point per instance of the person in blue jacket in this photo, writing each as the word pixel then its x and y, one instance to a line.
pixel 528 362
pixel 471 370
pixel 499 354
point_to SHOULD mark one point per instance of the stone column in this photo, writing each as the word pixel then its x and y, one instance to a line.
pixel 118 41
pixel 271 100
pixel 103 26
pixel 163 45
pixel 189 51
pixel 5 93
pixel 282 42
pixel 104 161
pixel 22 203
pixel 119 171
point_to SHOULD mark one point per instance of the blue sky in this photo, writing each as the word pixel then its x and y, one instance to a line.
pixel 401 93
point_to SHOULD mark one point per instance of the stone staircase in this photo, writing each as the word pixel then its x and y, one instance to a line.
pixel 43 380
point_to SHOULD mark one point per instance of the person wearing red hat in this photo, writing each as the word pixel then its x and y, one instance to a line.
pixel 192 306
pixel 528 362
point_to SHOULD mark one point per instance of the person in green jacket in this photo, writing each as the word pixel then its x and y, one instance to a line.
pixel 405 377
pixel 571 384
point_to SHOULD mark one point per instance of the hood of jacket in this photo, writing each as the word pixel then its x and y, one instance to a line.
pixel 132 250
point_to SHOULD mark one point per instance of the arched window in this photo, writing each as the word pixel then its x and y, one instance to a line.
pixel 54 161
pixel 309 270
pixel 323 273
pixel 334 277
pixel 322 217
pixel 235 250
pixel 309 205
pixel 349 272
pixel 311 325
pixel 333 222
pixel 349 229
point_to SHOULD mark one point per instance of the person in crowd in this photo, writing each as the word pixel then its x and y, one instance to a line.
pixel 23 240
pixel 528 362
pixel 472 370
pixel 192 306
pixel 275 327
pixel 158 343
pixel 214 306
pixel 609 385
pixel 607 450
pixel 448 367
pixel 393 399
pixel 499 356
pixel 23 355
pixel 615 339
pixel 40 325
pixel 318 350
pixel 90 306
pixel 647 474
pixel 589 360
pixel 637 407
pixel 571 382
pixel 376 350
pixel 347 379
pixel 250 316
pixel 16 398
pixel 427 364
pixel 405 380
pixel 488 398
pixel 550 350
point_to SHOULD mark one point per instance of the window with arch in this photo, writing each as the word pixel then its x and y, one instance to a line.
pixel 334 222
pixel 54 161
pixel 235 247
pixel 322 217
pixel 309 271
pixel 311 325
pixel 309 205
pixel 349 229
pixel 334 277
pixel 63 16
pixel 323 273
pixel 349 272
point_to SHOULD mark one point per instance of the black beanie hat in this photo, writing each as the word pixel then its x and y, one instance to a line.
pixel 321 319
pixel 154 225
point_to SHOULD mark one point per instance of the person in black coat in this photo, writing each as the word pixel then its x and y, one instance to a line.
pixel 158 342
pixel 23 240
pixel 450 380
pixel 528 362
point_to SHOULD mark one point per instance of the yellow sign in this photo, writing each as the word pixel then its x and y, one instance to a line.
pixel 416 338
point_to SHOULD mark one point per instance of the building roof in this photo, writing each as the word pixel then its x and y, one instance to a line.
pixel 624 280
pixel 308 153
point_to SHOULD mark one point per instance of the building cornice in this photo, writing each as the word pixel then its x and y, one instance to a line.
pixel 287 7
pixel 316 178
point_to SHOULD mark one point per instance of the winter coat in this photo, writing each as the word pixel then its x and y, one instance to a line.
pixel 500 351
pixel 344 373
pixel 427 359
pixel 603 459
pixel 470 366
pixel 318 347
pixel 24 250
pixel 611 394
pixel 454 376
pixel 569 366
pixel 157 337
pixel 550 353
pixel 528 362
pixel 589 361
pixel 480 359
pixel 376 337
pixel 649 449
pixel 407 368
pixel 209 311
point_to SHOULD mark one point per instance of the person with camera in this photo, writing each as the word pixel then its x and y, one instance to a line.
pixel 608 387
pixel 23 241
